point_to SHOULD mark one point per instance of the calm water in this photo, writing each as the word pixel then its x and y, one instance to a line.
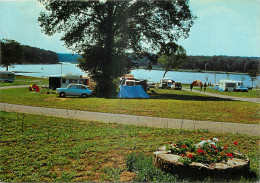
pixel 154 75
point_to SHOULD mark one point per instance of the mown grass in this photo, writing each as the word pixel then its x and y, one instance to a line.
pixel 254 93
pixel 26 80
pixel 40 148
pixel 163 103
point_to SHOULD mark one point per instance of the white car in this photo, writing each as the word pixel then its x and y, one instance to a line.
pixel 75 90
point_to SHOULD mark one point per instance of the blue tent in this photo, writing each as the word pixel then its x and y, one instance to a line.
pixel 132 92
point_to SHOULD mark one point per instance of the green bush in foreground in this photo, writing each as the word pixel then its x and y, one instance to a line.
pixel 146 171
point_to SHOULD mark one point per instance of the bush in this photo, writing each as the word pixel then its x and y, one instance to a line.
pixel 146 171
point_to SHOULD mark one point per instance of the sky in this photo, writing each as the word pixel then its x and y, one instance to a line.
pixel 222 27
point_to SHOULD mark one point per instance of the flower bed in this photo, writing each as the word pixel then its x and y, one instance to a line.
pixel 206 158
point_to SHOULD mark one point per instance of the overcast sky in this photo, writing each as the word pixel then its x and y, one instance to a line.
pixel 223 27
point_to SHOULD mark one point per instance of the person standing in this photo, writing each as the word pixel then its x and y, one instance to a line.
pixel 191 86
pixel 205 86
pixel 201 85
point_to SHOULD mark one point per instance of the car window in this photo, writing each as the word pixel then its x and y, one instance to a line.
pixel 82 87
pixel 73 87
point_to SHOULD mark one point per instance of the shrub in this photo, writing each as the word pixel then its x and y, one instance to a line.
pixel 146 171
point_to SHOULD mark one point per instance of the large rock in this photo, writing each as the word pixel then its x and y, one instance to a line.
pixel 233 169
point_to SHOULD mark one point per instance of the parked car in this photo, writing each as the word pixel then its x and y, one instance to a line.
pixel 75 90
pixel 176 86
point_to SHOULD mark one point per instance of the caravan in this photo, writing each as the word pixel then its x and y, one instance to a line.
pixel 7 76
pixel 231 85
pixel 165 83
pixel 65 80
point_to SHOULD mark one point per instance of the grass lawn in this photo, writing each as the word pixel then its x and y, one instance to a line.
pixel 254 93
pixel 26 80
pixel 164 103
pixel 40 148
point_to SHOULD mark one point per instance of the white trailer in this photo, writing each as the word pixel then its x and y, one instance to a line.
pixel 165 83
pixel 231 85
pixel 7 76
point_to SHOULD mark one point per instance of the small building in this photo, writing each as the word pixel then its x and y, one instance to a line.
pixel 65 80
pixel 7 76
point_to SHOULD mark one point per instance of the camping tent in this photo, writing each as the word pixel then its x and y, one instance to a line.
pixel 197 83
pixel 132 92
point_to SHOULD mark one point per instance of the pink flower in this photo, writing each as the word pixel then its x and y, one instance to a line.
pixel 200 151
pixel 183 146
pixel 235 143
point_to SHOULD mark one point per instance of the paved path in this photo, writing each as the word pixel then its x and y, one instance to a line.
pixel 249 129
pixel 255 100
pixel 15 86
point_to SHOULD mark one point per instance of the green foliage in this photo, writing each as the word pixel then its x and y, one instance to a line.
pixel 221 63
pixel 172 57
pixel 11 53
pixel 207 151
pixel 105 31
pixel 146 171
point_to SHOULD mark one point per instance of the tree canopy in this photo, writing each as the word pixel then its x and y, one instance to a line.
pixel 10 53
pixel 104 32
pixel 172 56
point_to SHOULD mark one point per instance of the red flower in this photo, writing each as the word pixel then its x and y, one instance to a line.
pixel 200 151
pixel 224 147
pixel 217 151
pixel 182 155
pixel 213 146
pixel 190 156
pixel 202 138
pixel 235 143
pixel 230 155
pixel 183 146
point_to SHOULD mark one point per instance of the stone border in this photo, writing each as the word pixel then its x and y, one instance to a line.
pixel 233 169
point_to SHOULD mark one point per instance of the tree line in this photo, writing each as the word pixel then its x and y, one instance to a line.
pixel 13 52
pixel 221 63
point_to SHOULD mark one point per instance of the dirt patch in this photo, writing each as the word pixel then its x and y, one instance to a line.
pixel 127 177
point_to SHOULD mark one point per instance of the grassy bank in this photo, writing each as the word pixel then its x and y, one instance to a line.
pixel 26 80
pixel 163 103
pixel 254 93
pixel 40 148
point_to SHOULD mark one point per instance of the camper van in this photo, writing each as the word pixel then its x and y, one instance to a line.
pixel 231 85
pixel 7 76
pixel 65 80
pixel 165 83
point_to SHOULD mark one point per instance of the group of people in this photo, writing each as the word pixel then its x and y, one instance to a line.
pixel 200 85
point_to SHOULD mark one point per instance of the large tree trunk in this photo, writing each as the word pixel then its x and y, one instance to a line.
pixel 107 80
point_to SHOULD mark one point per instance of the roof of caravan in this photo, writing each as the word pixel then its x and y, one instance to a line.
pixel 229 81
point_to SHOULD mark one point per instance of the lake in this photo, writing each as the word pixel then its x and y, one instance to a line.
pixel 46 70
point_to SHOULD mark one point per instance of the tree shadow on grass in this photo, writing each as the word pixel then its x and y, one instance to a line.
pixel 186 97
